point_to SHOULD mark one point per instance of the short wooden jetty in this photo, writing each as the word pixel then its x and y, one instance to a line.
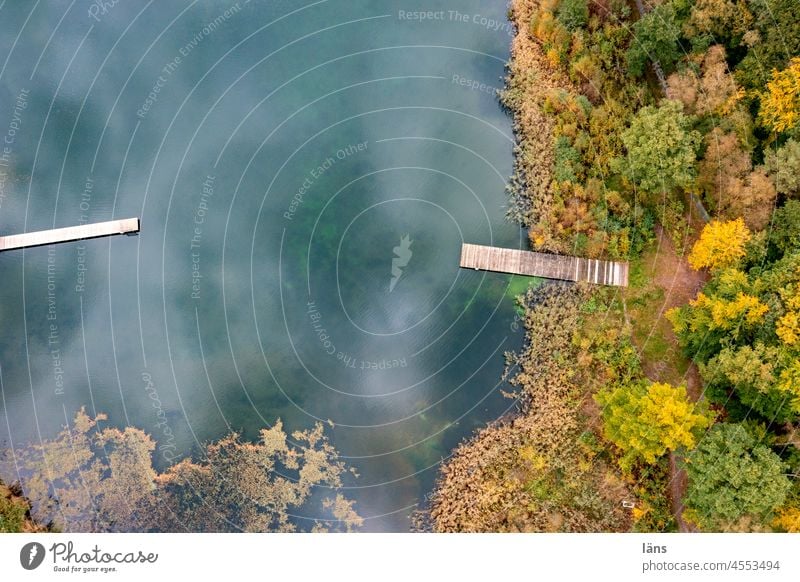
pixel 532 264
pixel 68 234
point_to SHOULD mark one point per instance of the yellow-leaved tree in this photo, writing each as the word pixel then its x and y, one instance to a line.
pixel 788 326
pixel 788 520
pixel 646 421
pixel 780 103
pixel 721 245
pixel 728 314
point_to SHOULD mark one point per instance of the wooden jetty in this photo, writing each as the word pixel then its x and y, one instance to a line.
pixel 68 234
pixel 562 267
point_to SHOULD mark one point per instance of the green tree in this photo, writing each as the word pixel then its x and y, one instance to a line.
pixel 775 38
pixel 573 14
pixel 656 36
pixel 718 19
pixel 784 167
pixel 647 421
pixel 731 476
pixel 747 379
pixel 785 232
pixel 567 161
pixel 661 148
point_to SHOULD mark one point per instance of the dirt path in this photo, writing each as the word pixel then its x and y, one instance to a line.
pixel 680 283
pixel 678 480
pixel 672 282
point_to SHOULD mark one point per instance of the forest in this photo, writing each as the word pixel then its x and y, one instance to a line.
pixel 665 133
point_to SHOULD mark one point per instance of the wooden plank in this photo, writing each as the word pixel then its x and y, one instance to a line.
pixel 68 234
pixel 549 266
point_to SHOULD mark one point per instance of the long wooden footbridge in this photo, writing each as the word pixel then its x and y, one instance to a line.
pixel 533 264
pixel 68 234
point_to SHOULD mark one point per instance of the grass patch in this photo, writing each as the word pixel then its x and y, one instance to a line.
pixel 662 358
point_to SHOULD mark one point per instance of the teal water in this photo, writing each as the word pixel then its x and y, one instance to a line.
pixel 305 173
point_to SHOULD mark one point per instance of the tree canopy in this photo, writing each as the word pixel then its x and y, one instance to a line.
pixel 784 166
pixel 661 148
pixel 656 36
pixel 721 245
pixel 732 476
pixel 780 103
pixel 647 421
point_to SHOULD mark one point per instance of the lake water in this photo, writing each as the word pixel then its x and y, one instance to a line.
pixel 305 173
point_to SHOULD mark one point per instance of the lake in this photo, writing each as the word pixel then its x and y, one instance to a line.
pixel 305 174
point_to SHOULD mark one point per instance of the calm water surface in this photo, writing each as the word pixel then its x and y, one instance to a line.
pixel 305 173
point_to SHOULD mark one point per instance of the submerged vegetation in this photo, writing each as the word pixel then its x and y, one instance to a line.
pixel 627 122
pixel 91 478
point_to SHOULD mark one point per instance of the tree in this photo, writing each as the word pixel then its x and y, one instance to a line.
pixel 718 19
pixel 731 476
pixel 573 14
pixel 785 233
pixel 788 520
pixel 727 312
pixel 647 421
pixel 713 312
pixel 661 148
pixel 655 36
pixel 713 92
pixel 719 91
pixel 721 245
pixel 755 201
pixel 784 167
pixel 773 40
pixel 743 330
pixel 780 103
pixel 606 124
pixel 747 379
pixel 730 184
